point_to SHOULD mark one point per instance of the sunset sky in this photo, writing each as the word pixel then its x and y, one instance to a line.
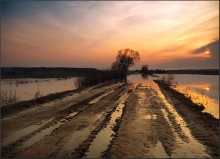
pixel 167 34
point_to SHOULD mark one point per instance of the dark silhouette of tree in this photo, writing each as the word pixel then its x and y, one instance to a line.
pixel 125 59
pixel 144 69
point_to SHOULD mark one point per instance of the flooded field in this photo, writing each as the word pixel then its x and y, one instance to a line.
pixel 16 90
pixel 202 89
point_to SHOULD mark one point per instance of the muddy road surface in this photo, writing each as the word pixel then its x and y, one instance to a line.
pixel 110 120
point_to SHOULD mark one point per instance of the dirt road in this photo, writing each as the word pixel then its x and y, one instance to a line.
pixel 112 120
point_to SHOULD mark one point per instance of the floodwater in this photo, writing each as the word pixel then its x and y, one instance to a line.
pixel 16 90
pixel 100 97
pixel 202 89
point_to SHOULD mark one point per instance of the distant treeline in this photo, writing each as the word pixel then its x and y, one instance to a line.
pixel 187 71
pixel 43 72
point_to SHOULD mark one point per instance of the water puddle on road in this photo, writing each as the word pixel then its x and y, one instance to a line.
pixel 100 97
pixel 187 147
pixel 76 139
pixel 75 136
pixel 23 132
pixel 40 135
pixel 103 138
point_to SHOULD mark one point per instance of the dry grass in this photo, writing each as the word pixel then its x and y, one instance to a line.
pixel 96 78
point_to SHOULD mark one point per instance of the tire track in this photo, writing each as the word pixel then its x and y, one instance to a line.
pixel 29 135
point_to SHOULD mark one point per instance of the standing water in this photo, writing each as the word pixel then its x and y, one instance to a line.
pixel 202 89
pixel 104 137
pixel 22 89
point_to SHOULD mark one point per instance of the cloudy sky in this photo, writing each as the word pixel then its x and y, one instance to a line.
pixel 168 34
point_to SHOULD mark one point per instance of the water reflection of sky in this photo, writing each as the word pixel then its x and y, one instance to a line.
pixel 203 89
pixel 26 89
pixel 204 84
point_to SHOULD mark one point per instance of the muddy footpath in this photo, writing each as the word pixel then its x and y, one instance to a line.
pixel 113 120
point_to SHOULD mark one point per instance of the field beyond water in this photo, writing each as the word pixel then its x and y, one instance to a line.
pixel 138 119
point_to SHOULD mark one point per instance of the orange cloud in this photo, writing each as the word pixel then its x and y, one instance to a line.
pixel 76 34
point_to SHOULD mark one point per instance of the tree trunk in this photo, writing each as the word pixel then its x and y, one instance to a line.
pixel 125 78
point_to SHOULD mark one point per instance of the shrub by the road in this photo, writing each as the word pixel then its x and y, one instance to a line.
pixel 97 78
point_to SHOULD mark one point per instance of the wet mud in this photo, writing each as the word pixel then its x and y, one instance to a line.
pixel 203 126
pixel 61 115
pixel 112 120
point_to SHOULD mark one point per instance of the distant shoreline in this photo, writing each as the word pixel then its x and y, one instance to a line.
pixel 64 72
pixel 188 71
pixel 43 72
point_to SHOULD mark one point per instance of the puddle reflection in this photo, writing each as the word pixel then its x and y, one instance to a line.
pixel 185 148
pixel 202 89
pixel 23 132
pixel 103 138
pixel 16 90
pixel 40 135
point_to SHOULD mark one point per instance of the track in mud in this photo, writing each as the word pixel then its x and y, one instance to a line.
pixel 155 128
pixel 108 121
pixel 21 139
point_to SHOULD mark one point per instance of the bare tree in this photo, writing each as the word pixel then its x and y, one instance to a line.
pixel 169 79
pixel 144 69
pixel 125 59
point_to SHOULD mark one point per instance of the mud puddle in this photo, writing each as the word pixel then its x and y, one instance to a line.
pixel 104 137
pixel 55 125
pixel 158 151
pixel 100 97
pixel 42 132
pixel 188 147
pixel 75 139
pixel 47 131
pixel 23 132
pixel 141 101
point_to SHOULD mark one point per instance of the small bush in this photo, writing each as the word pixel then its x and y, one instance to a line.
pixel 169 79
pixel 96 78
